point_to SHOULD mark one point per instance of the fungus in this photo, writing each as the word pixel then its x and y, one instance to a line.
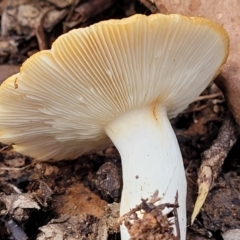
pixel 120 80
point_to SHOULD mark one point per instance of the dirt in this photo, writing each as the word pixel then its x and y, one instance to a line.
pixel 80 199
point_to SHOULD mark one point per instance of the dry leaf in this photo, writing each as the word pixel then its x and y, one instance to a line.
pixel 52 18
pixel 17 205
pixel 232 234
pixel 14 201
pixel 51 231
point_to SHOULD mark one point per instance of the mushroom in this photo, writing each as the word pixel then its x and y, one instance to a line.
pixel 120 80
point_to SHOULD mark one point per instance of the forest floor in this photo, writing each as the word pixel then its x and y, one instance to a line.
pixel 71 199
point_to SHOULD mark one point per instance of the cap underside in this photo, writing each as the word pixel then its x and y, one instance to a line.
pixel 57 106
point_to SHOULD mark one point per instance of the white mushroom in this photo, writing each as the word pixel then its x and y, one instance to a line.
pixel 118 79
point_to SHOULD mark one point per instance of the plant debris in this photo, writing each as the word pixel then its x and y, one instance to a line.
pixel 221 208
pixel 149 220
pixel 213 159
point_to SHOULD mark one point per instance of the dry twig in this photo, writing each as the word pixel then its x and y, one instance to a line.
pixel 86 11
pixel 150 5
pixel 206 97
pixel 17 168
pixel 213 159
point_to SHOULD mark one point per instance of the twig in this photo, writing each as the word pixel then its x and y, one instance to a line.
pixel 4 148
pixel 16 189
pixel 212 160
pixel 39 31
pixel 15 168
pixel 70 14
pixel 151 6
pixel 206 97
pixel 196 109
pixel 88 10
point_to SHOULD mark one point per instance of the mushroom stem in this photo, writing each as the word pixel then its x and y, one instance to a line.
pixel 151 160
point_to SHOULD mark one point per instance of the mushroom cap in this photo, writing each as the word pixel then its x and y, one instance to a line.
pixel 59 104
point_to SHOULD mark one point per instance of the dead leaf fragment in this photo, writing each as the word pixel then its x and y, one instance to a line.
pixel 51 231
pixel 232 234
pixel 109 222
pixel 158 220
pixel 8 46
pixel 42 193
pixel 17 205
pixel 71 228
pixel 23 200
pixel 26 19
pixel 53 17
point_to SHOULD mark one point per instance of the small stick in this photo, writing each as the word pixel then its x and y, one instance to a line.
pixel 212 161
pixel 39 31
pixel 15 168
pixel 197 109
pixel 151 6
pixel 206 97
pixel 4 148
pixel 88 10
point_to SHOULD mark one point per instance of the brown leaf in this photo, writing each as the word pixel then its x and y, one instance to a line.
pixel 227 14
